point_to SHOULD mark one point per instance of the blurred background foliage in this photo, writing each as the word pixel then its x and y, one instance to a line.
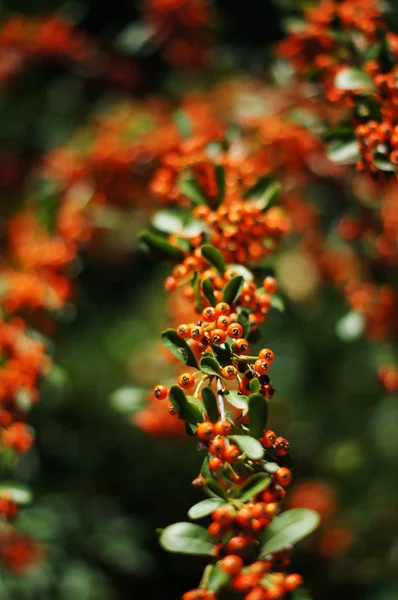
pixel 102 486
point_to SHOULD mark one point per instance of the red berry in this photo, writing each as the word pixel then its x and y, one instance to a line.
pixel 186 380
pixel 266 354
pixel 222 308
pixel 292 582
pixel 160 392
pixel 223 427
pixel 215 464
pixel 268 438
pixel 283 476
pixel 224 515
pixel 205 430
pixel 217 446
pixel 218 336
pixel 232 453
pixel 229 372
pixel 235 330
pixel 261 366
pixel 270 284
pixel 231 564
pixel 281 446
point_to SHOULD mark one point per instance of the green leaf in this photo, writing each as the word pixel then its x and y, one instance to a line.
pixel 254 385
pixel 205 470
pixel 214 257
pixel 271 467
pixel 277 302
pixel 208 292
pixel 253 486
pixel 269 197
pixel 251 447
pixel 300 594
pixel 220 180
pixel 237 400
pixel 186 410
pixel 218 579
pixel 290 527
pixel 183 124
pixel 243 319
pixel 187 538
pixel 241 270
pixel 167 220
pixel 17 492
pixel 179 347
pixel 196 291
pixel 160 248
pixel 260 187
pixel 210 404
pixel 383 164
pixel 189 188
pixel 204 508
pixel 233 289
pixel 223 354
pixel 210 365
pixel 354 79
pixel 346 152
pixel 216 489
pixel 258 414
pixel 338 133
pixel 128 399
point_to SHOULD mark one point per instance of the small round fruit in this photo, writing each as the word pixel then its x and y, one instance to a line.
pixel 222 308
pixel 283 476
pixel 229 372
pixel 235 330
pixel 209 314
pixel 218 336
pixel 217 447
pixel 160 392
pixel 186 380
pixel 205 431
pixel 231 564
pixel 183 331
pixel 241 346
pixel 215 464
pixel 261 366
pixel 232 453
pixel 223 427
pixel 270 284
pixel 292 581
pixel 281 446
pixel 266 354
pixel 268 439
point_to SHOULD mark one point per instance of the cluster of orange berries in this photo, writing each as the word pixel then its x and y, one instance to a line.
pixel 317 45
pixel 23 38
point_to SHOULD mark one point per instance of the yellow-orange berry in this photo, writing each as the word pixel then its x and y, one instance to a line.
pixel 186 380
pixel 205 430
pixel 160 392
pixel 229 372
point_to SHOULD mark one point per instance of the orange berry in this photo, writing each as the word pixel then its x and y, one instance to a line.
pixel 229 372
pixel 243 582
pixel 223 427
pixel 257 593
pixel 244 518
pixel 270 284
pixel 268 438
pixel 232 453
pixel 216 530
pixel 281 446
pixel 283 476
pixel 231 564
pixel 224 515
pixel 217 446
pixel 241 346
pixel 222 322
pixel 222 308
pixel 186 380
pixel 183 330
pixel 197 333
pixel 235 330
pixel 218 336
pixel 209 314
pixel 261 366
pixel 205 430
pixel 170 284
pixel 266 354
pixel 160 392
pixel 292 581
pixel 215 464
pixel 237 545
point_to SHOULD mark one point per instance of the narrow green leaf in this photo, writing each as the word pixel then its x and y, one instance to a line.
pixel 204 508
pixel 223 354
pixel 253 486
pixel 187 538
pixel 258 415
pixel 254 385
pixel 260 187
pixel 354 79
pixel 208 292
pixel 288 528
pixel 232 290
pixel 277 302
pixel 243 319
pixel 183 123
pixel 214 257
pixel 160 248
pixel 216 488
pixel 189 188
pixel 186 410
pixel 17 492
pixel 210 404
pixel 196 291
pixel 210 365
pixel 271 467
pixel 179 347
pixel 218 579
pixel 346 152
pixel 251 447
pixel 383 164
pixel 167 220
